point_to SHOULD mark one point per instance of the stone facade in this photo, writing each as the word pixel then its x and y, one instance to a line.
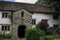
pixel 18 20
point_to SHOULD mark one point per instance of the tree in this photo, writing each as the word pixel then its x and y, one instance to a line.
pixel 42 2
pixel 54 3
pixel 43 25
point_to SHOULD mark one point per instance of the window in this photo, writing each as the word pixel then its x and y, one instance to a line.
pixel 4 15
pixel 33 21
pixel 5 28
pixel 22 14
pixel 56 27
pixel 8 28
pixel 56 17
pixel 2 28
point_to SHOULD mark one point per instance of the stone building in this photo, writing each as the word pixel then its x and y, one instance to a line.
pixel 16 17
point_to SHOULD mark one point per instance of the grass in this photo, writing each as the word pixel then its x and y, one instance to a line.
pixel 56 36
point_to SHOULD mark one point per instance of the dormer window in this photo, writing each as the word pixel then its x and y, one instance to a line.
pixel 22 14
pixel 4 15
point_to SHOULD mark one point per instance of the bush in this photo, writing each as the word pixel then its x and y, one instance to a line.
pixel 49 38
pixel 43 25
pixel 41 38
pixel 1 35
pixel 34 34
pixel 5 36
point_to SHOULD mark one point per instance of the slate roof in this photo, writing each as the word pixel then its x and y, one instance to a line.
pixel 14 6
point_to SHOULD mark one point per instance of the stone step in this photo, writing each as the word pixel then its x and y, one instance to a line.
pixel 22 38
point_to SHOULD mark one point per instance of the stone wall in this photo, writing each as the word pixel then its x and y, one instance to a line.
pixel 18 20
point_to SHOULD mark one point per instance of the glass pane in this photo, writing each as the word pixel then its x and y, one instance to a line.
pixel 2 28
pixel 5 28
pixel 8 28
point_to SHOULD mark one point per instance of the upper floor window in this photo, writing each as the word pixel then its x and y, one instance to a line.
pixel 5 28
pixel 4 15
pixel 33 21
pixel 56 17
pixel 22 14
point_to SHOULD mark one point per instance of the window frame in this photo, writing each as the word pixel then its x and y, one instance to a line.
pixel 5 28
pixel 4 15
pixel 33 21
pixel 56 27
pixel 22 14
pixel 55 17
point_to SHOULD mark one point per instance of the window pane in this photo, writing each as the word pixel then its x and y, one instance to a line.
pixel 55 16
pixel 5 28
pixel 33 21
pixel 56 28
pixel 2 28
pixel 6 15
pixel 2 14
pixel 22 14
pixel 8 28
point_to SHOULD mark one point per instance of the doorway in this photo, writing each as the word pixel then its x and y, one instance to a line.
pixel 21 31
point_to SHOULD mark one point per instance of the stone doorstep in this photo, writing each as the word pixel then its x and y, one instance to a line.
pixel 22 38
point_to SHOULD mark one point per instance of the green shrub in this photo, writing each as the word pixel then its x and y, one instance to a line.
pixel 49 37
pixel 33 34
pixel 5 36
pixel 41 38
pixel 1 35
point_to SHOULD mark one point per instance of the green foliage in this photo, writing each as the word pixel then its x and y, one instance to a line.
pixel 41 38
pixel 43 25
pixel 52 3
pixel 42 2
pixel 1 35
pixel 5 36
pixel 50 37
pixel 34 34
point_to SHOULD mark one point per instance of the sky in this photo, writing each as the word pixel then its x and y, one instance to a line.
pixel 25 1
pixel 10 0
